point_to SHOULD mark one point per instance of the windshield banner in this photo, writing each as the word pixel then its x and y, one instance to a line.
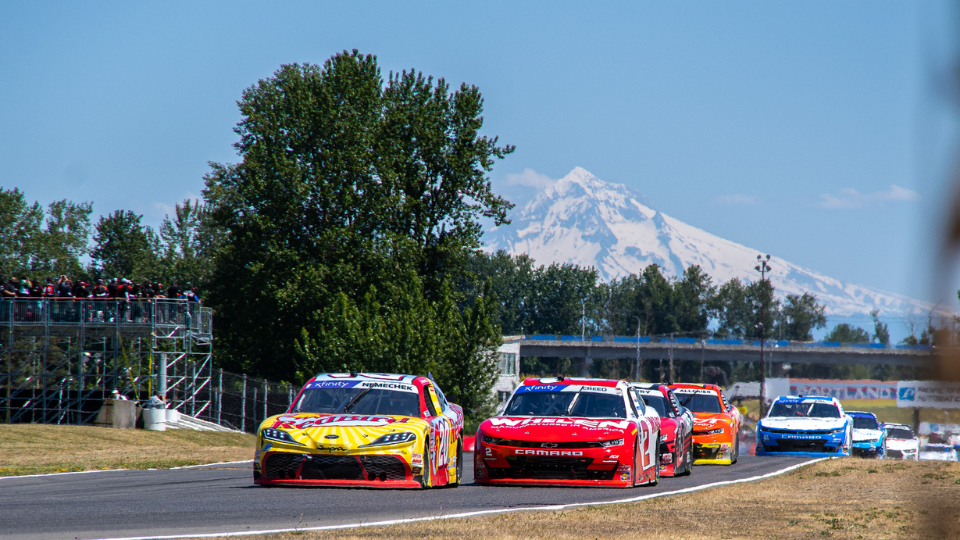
pixel 567 388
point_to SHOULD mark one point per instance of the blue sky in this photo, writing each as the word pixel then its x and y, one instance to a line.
pixel 817 131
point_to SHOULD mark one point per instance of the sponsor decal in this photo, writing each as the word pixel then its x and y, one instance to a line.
pixel 625 477
pixel 648 392
pixel 566 388
pixel 322 448
pixel 694 391
pixel 709 422
pixel 586 424
pixel 332 384
pixel 388 386
pixel 623 468
pixel 532 452
pixel 614 456
pixel 417 459
pixel 343 420
pixel 478 473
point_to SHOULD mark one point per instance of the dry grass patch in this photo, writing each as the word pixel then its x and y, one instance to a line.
pixel 35 448
pixel 844 498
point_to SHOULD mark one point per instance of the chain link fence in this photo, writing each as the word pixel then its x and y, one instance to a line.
pixel 241 402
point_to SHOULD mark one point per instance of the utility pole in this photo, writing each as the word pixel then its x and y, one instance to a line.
pixel 763 268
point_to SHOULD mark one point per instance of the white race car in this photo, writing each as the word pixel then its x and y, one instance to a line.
pixel 938 452
pixel 902 443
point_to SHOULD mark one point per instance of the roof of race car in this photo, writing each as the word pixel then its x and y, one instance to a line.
pixel 799 399
pixel 532 381
pixel 650 387
pixel 387 381
pixel 694 386
pixel 862 414
pixel 900 426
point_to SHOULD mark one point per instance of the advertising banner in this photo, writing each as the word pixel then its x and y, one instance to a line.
pixel 862 389
pixel 939 395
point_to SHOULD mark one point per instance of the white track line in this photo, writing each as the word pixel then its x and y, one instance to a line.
pixel 478 512
pixel 115 470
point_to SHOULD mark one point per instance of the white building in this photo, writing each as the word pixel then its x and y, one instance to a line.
pixel 509 365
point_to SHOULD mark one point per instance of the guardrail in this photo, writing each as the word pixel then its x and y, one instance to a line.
pixel 714 341
pixel 96 311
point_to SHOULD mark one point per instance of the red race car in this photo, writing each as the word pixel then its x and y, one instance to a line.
pixel 716 423
pixel 562 431
pixel 676 428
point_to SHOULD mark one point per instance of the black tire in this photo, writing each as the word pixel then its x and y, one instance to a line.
pixel 656 464
pixel 425 477
pixel 459 479
pixel 736 450
pixel 688 459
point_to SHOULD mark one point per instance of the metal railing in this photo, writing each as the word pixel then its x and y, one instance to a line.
pixel 95 311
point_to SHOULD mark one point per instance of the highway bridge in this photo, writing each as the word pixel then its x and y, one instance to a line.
pixel 777 353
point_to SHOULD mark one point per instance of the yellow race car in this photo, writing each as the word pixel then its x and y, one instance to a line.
pixel 363 429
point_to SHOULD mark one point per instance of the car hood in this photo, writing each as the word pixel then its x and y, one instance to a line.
pixel 903 444
pixel 867 434
pixel 557 429
pixel 341 430
pixel 802 424
pixel 708 421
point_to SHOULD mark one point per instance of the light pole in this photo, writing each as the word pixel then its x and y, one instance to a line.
pixel 763 268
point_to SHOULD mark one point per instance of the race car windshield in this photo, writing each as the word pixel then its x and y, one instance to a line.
pixel 805 410
pixel 899 433
pixel 861 422
pixel 358 401
pixel 699 403
pixel 659 403
pixel 582 404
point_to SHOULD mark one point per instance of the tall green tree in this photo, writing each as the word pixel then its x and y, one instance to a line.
pixel 881 333
pixel 124 247
pixel 65 238
pixel 799 316
pixel 190 240
pixel 846 333
pixel 347 184
pixel 20 232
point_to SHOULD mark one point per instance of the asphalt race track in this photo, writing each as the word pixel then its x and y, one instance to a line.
pixel 224 499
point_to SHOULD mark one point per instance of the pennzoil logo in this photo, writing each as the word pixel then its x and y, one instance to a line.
pixel 532 452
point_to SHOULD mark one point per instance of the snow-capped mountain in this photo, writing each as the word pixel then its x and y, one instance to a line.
pixel 586 221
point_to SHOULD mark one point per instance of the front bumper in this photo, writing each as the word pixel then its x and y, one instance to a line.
pixel 868 449
pixel 800 445
pixel 346 470
pixel 506 465
pixel 713 449
pixel 913 454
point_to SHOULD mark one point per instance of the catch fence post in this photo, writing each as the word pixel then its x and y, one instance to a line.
pixel 289 396
pixel 264 399
pixel 219 395
pixel 243 406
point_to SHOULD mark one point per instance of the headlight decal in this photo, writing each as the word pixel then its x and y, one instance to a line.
pixel 278 435
pixel 400 437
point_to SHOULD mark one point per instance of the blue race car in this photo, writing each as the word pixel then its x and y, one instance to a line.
pixel 869 437
pixel 805 426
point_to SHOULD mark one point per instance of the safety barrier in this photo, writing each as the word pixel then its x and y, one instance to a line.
pixel 728 342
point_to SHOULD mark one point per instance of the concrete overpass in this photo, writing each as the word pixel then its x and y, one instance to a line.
pixel 710 350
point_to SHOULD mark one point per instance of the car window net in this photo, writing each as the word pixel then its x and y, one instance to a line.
pixel 700 403
pixel 350 400
pixel 659 404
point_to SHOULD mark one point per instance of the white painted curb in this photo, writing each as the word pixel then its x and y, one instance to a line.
pixel 478 512
pixel 115 470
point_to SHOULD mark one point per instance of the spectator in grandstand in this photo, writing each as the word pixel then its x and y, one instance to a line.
pixel 10 288
pixel 100 291
pixel 173 291
pixel 24 290
pixel 112 289
pixel 158 290
pixel 80 290
pixel 49 289
pixel 64 287
pixel 191 296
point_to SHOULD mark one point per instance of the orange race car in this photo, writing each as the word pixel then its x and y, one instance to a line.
pixel 716 423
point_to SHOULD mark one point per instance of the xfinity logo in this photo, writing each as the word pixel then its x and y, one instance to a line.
pixel 525 452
